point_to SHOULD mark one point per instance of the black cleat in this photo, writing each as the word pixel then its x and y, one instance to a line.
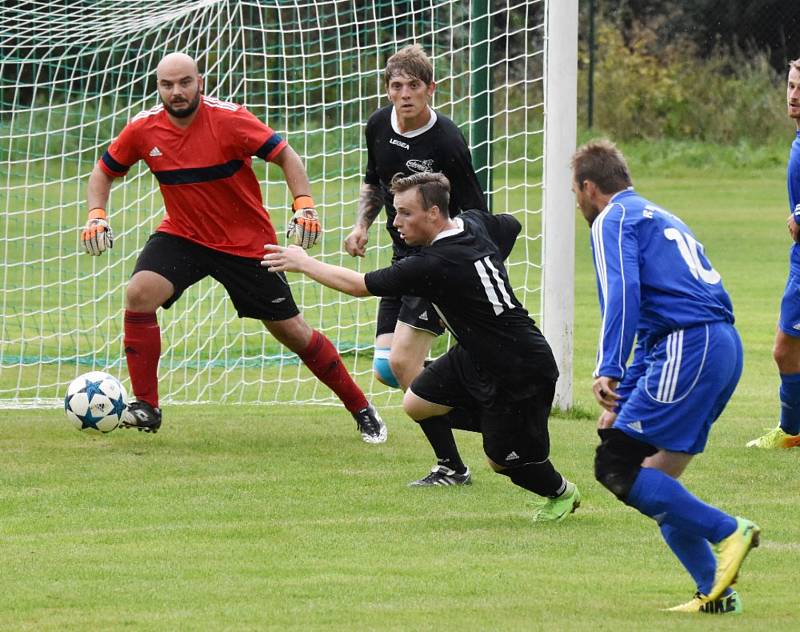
pixel 370 425
pixel 142 416
pixel 441 475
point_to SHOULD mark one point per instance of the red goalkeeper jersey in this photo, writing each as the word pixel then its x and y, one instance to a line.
pixel 205 173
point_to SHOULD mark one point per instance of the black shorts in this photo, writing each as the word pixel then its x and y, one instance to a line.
pixel 413 311
pixel 513 418
pixel 255 292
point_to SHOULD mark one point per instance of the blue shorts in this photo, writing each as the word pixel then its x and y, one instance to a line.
pixel 691 374
pixel 789 320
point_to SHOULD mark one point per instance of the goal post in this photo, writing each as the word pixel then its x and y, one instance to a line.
pixel 73 73
pixel 560 133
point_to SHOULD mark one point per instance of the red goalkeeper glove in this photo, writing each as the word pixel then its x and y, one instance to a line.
pixel 304 228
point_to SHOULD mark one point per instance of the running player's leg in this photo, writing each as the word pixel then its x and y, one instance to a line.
pixel 266 296
pixel 786 353
pixel 692 376
pixel 388 310
pixel 454 409
pixel 164 269
pixel 410 348
pixel 516 441
pixel 693 551
pixel 416 326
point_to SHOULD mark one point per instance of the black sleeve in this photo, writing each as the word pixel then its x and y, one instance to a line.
pixel 465 190
pixel 410 276
pixel 371 173
pixel 503 230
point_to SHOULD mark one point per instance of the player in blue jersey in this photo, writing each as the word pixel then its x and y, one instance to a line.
pixel 787 339
pixel 657 286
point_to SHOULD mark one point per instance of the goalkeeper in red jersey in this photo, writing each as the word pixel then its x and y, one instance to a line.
pixel 200 150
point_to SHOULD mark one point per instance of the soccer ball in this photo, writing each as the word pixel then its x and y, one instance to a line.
pixel 95 401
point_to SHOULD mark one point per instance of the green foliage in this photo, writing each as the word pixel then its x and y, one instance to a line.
pixel 647 90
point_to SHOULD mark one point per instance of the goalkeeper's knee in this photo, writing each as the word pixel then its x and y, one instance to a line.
pixel 382 368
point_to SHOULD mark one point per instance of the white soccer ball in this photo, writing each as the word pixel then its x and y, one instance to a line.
pixel 95 402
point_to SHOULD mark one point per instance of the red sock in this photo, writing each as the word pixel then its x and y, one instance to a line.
pixel 143 349
pixel 324 361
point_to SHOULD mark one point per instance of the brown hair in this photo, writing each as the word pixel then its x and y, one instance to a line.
pixel 601 162
pixel 434 189
pixel 410 61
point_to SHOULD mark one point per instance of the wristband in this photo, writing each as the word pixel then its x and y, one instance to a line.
pixel 302 201
pixel 97 213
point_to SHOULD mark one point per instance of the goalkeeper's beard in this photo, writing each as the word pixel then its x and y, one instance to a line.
pixel 188 111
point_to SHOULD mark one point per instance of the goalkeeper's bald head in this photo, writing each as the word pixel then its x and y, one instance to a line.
pixel 176 63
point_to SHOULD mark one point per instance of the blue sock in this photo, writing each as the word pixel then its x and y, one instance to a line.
pixel 789 394
pixel 694 553
pixel 668 502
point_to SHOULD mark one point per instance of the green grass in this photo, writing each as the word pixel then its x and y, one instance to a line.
pixel 278 517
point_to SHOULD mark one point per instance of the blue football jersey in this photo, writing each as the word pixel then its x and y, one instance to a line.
pixel 653 277
pixel 793 183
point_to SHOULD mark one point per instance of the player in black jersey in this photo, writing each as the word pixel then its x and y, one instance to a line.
pixel 501 371
pixel 408 137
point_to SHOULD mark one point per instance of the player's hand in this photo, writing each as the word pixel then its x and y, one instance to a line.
pixel 280 259
pixel 304 227
pixel 605 392
pixel 794 229
pixel 97 236
pixel 356 242
pixel 606 420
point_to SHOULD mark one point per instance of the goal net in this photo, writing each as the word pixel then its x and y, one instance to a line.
pixel 74 72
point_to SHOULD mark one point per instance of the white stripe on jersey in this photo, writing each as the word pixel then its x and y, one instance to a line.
pixel 500 285
pixel 223 105
pixel 151 112
pixel 602 275
pixel 487 285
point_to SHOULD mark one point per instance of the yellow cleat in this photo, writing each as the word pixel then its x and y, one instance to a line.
pixel 729 604
pixel 731 553
pixel 774 439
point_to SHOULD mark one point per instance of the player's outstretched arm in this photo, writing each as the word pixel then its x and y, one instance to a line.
pixel 97 236
pixel 295 259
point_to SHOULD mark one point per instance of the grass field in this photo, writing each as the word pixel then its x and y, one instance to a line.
pixel 279 517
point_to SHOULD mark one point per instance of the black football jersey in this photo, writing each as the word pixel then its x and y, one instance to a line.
pixel 463 275
pixel 440 148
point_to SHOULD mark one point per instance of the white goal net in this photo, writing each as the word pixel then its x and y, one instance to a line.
pixel 74 72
